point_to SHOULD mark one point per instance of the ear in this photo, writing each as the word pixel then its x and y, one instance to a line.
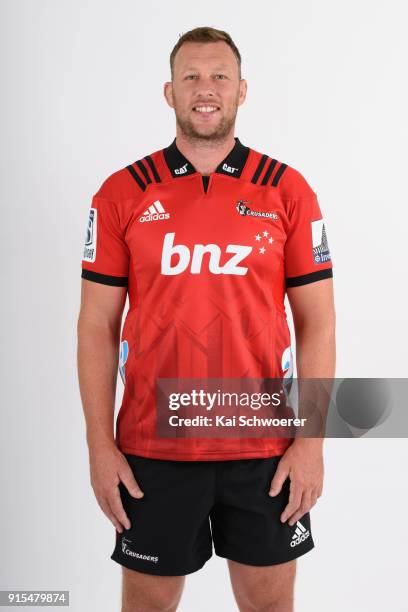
pixel 168 93
pixel 243 87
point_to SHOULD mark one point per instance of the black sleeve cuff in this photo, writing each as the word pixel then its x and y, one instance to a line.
pixel 113 281
pixel 305 279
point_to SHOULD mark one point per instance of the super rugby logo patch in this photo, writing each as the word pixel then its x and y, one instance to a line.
pixel 321 253
pixel 90 239
pixel 244 210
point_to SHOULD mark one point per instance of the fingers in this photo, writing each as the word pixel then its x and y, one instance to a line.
pixel 106 509
pixel 281 473
pixel 126 476
pixel 314 497
pixel 295 498
pixel 300 501
pixel 304 506
pixel 108 469
pixel 116 506
pixel 112 504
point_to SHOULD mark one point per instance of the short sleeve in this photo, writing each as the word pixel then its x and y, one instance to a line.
pixel 307 255
pixel 106 254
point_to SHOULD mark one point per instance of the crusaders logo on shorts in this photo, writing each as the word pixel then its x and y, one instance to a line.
pixel 125 543
pixel 136 555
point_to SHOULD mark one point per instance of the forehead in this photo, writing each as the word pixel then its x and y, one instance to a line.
pixel 194 55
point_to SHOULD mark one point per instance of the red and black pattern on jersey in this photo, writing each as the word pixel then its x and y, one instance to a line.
pixel 206 262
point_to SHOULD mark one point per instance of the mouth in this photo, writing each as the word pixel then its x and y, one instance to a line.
pixel 206 109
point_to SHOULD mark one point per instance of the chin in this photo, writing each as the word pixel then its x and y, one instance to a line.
pixel 211 131
pixel 205 132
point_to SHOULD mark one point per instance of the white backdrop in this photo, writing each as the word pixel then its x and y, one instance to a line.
pixel 81 98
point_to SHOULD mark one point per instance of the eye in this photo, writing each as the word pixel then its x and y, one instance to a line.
pixel 220 76
pixel 192 76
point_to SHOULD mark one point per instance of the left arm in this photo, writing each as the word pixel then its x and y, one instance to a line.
pixel 313 312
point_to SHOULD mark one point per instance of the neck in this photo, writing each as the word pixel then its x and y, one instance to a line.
pixel 205 155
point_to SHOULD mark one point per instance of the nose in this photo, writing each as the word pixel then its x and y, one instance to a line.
pixel 206 88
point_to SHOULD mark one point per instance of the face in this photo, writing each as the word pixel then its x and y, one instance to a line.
pixel 206 90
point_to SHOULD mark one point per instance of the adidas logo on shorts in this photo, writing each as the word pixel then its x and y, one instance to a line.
pixel 155 212
pixel 301 534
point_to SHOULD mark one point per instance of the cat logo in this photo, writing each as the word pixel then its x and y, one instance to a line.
pixel 229 169
pixel 181 170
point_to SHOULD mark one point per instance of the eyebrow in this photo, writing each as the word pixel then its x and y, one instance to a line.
pixel 219 67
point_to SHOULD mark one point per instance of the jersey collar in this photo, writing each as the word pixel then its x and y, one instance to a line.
pixel 232 165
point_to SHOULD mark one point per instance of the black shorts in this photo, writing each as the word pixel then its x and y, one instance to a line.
pixel 170 533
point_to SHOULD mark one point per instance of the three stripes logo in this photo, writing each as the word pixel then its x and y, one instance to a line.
pixel 155 212
pixel 139 171
pixel 270 170
pixel 301 534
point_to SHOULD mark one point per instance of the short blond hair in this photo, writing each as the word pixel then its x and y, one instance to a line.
pixel 205 35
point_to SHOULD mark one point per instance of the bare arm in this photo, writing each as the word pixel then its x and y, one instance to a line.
pixel 314 321
pixel 98 329
pixel 313 311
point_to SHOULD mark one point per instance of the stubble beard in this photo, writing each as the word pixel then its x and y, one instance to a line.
pixel 219 133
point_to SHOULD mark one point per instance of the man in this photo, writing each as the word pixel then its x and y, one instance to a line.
pixel 207 236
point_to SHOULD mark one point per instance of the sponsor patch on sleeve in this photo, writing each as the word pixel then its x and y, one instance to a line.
pixel 90 238
pixel 321 253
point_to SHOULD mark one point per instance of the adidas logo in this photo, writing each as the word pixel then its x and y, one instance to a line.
pixel 301 534
pixel 155 212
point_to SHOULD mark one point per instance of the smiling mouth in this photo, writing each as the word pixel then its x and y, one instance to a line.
pixel 206 108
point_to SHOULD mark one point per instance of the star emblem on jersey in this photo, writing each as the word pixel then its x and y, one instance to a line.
pixel 263 238
pixel 244 210
pixel 155 212
pixel 301 534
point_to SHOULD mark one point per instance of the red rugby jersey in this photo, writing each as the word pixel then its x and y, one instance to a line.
pixel 206 261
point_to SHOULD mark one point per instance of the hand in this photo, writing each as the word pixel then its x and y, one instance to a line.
pixel 108 467
pixel 303 463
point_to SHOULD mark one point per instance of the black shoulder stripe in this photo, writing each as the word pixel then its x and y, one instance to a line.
pixel 269 171
pixel 144 171
pixel 259 169
pixel 136 177
pixel 105 279
pixel 305 279
pixel 279 173
pixel 153 168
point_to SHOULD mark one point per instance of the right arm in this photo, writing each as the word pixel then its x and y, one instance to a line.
pixel 98 330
